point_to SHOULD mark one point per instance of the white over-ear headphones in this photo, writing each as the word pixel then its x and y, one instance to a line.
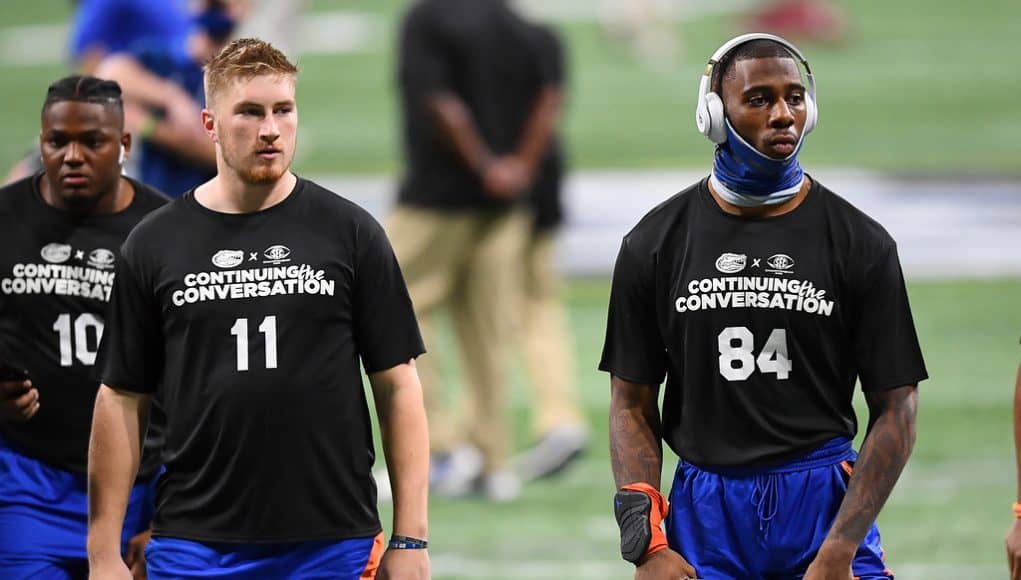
pixel 709 114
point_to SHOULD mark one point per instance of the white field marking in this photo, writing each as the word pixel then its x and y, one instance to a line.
pixel 940 233
pixel 336 32
pixel 945 483
pixel 456 566
pixel 339 32
pixel 928 571
pixel 33 45
pixel 596 10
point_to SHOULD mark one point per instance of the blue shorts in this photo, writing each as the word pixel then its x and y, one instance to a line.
pixel 44 518
pixel 766 523
pixel 177 559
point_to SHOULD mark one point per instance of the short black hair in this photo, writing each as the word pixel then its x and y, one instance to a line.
pixel 85 89
pixel 758 48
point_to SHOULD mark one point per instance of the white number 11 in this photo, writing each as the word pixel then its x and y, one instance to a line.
pixel 269 328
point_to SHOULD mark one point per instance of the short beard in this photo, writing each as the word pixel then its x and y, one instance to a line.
pixel 258 175
pixel 261 175
pixel 84 204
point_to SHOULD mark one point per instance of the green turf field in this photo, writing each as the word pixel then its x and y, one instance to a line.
pixel 921 85
pixel 946 519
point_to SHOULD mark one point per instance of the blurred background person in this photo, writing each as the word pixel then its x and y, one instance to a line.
pixel 104 27
pixel 479 104
pixel 558 421
pixel 809 20
pixel 647 27
pixel 163 94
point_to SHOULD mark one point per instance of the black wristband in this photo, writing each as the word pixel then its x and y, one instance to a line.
pixel 632 510
pixel 407 543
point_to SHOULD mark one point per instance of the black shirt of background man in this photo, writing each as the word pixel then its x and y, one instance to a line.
pixel 250 328
pixel 545 199
pixel 56 273
pixel 761 326
pixel 488 57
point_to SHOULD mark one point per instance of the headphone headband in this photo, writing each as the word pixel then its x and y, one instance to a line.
pixel 738 40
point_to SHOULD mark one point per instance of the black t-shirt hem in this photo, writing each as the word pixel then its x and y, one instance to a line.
pixel 895 383
pixel 632 378
pixel 159 531
pixel 128 386
pixel 145 471
pixel 391 362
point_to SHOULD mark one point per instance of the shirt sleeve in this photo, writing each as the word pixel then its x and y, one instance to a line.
pixel 95 26
pixel 554 70
pixel 423 63
pixel 131 352
pixel 386 330
pixel 634 348
pixel 887 352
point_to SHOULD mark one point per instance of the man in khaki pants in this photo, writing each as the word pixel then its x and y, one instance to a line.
pixel 479 105
pixel 558 421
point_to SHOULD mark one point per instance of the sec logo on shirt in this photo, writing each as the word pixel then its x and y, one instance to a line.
pixel 102 258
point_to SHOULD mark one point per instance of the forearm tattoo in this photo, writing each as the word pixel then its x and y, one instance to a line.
pixel 636 450
pixel 884 453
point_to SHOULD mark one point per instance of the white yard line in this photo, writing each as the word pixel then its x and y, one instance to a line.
pixel 594 10
pixel 34 45
pixel 457 566
pixel 336 32
pixel 943 229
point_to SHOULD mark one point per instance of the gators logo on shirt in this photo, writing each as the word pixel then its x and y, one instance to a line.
pixel 56 253
pixel 730 263
pixel 228 258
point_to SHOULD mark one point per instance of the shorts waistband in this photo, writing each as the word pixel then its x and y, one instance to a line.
pixel 829 453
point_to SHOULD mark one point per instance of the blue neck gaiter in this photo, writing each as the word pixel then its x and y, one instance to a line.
pixel 745 177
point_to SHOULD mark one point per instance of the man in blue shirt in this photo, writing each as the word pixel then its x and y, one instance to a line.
pixel 163 95
pixel 105 27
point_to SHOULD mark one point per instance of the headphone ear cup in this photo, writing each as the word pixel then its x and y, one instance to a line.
pixel 717 125
pixel 702 116
pixel 811 114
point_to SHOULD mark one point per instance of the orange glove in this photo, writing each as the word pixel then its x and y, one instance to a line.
pixel 640 520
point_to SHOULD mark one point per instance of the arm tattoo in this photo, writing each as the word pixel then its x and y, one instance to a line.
pixel 636 450
pixel 884 453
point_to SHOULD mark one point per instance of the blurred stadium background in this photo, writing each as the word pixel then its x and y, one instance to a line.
pixel 919 126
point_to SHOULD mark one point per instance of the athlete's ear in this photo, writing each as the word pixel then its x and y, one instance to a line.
pixel 125 145
pixel 209 124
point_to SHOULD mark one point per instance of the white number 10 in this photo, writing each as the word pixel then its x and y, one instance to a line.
pixel 269 328
pixel 74 339
pixel 772 359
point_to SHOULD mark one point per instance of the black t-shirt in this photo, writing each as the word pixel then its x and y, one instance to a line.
pixel 761 326
pixel 490 58
pixel 56 273
pixel 250 328
pixel 547 206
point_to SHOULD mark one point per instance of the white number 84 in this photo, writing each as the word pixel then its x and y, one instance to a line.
pixel 737 362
